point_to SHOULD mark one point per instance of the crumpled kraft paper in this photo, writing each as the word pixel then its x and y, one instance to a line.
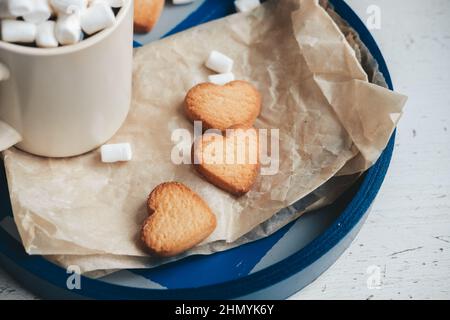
pixel 314 91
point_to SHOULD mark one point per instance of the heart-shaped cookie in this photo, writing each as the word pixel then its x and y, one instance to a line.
pixel 179 219
pixel 228 161
pixel 221 107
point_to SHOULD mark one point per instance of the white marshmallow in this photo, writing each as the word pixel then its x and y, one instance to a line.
pixel 19 8
pixel 246 5
pixel 111 3
pixel 41 12
pixel 116 152
pixel 18 31
pixel 219 62
pixel 182 1
pixel 68 6
pixel 4 10
pixel 97 17
pixel 5 74
pixel 45 37
pixel 222 78
pixel 68 29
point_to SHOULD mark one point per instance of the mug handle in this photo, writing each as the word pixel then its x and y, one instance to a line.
pixel 8 135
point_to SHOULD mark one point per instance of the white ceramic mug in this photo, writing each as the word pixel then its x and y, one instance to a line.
pixel 68 100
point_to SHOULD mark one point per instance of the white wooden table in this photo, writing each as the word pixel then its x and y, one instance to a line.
pixel 406 239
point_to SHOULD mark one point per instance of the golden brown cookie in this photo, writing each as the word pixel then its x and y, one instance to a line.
pixel 221 107
pixel 229 162
pixel 146 14
pixel 179 219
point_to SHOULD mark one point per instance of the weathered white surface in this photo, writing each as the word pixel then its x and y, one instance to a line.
pixel 408 231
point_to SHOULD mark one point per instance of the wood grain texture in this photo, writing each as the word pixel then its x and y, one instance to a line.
pixel 408 231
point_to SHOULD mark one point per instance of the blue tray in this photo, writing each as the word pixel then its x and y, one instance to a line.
pixel 271 268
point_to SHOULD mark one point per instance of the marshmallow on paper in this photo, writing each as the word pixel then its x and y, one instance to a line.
pixel 18 31
pixel 41 12
pixel 182 1
pixel 67 7
pixel 219 62
pixel 97 17
pixel 68 29
pixel 45 36
pixel 246 5
pixel 19 8
pixel 221 79
pixel 116 152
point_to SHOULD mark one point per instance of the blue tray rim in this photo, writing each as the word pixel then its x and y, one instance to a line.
pixel 267 277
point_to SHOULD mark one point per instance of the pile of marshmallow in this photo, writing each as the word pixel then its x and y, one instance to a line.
pixel 221 64
pixel 50 23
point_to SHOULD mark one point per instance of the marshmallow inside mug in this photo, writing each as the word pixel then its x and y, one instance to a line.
pixel 53 23
pixel 65 101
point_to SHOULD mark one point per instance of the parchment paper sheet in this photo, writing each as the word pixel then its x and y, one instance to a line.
pixel 314 91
